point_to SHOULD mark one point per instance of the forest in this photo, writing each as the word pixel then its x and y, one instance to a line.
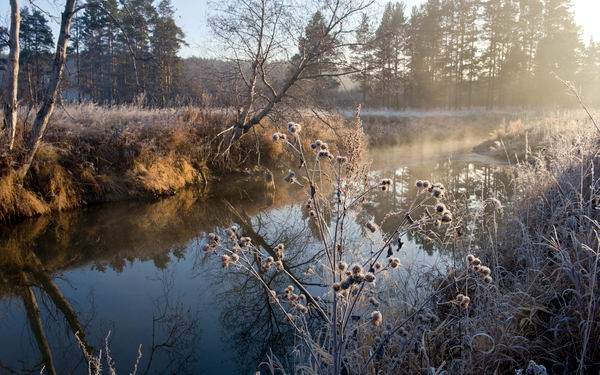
pixel 440 54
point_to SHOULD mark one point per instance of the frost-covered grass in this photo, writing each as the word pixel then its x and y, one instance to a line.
pixel 96 154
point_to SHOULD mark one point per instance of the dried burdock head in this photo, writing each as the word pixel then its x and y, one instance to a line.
pixel 276 136
pixel 446 217
pixel 318 143
pixel 373 301
pixel 342 266
pixel 369 277
pixel 294 128
pixel 476 267
pixel 290 177
pixel 279 265
pixel 289 288
pixel 348 273
pixel 488 279
pixel 385 181
pixel 394 262
pixel 302 309
pixel 234 257
pixel 358 278
pixel 341 159
pixel 312 213
pixel 440 207
pixel 325 154
pixel 339 248
pixel 485 271
pixel 470 258
pixel 245 241
pixel 419 184
pixel 309 203
pixel 279 253
pixel 226 260
pixel 324 146
pixel 280 247
pixel 208 247
pixel 293 297
pixel 438 185
pixel 459 297
pixel 372 227
pixel 230 234
pixel 212 237
pixel 376 318
pixel 426 184
pixel 476 262
pixel 356 269
pixel 301 298
pixel 283 137
pixel 465 302
pixel 289 317
pixel 377 266
pixel 384 188
pixel 313 146
pixel 437 192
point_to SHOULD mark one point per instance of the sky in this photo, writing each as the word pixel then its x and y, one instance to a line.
pixel 192 15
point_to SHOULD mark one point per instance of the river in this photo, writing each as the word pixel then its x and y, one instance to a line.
pixel 136 271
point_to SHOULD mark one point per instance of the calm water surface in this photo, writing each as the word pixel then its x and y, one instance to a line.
pixel 137 271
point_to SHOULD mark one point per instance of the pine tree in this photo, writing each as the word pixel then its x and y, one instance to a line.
pixel 499 24
pixel 167 40
pixel 36 46
pixel 316 42
pixel 589 75
pixel 390 60
pixel 362 57
pixel 558 51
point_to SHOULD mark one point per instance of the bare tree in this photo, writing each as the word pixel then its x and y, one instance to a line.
pixel 258 35
pixel 43 115
pixel 10 98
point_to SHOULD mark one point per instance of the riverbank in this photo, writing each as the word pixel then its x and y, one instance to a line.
pixel 93 154
pixel 544 258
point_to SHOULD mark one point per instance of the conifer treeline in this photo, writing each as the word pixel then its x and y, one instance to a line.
pixel 441 54
pixel 120 51
pixel 462 53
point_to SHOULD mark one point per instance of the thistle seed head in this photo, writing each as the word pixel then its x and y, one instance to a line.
pixel 376 318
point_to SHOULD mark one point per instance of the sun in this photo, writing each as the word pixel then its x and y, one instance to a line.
pixel 586 14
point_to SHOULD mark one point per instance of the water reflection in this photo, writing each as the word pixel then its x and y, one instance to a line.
pixel 138 271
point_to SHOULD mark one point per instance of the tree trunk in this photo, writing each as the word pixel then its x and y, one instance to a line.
pixel 41 119
pixel 35 321
pixel 12 79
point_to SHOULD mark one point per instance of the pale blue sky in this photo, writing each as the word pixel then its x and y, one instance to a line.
pixel 192 18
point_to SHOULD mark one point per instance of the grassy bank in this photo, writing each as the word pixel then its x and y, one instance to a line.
pixel 531 133
pixel 544 303
pixel 93 154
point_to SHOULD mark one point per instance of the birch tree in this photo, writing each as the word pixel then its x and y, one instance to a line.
pixel 258 35
pixel 56 74
pixel 12 79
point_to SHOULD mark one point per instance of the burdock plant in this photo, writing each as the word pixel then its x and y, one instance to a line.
pixel 336 185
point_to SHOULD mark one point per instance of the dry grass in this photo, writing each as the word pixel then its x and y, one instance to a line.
pixel 531 133
pixel 544 305
pixel 94 154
